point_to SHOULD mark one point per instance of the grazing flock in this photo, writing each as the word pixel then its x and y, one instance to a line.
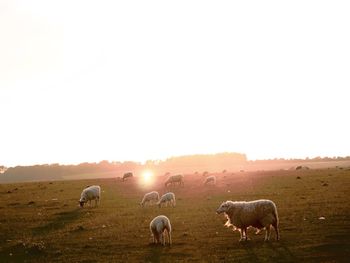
pixel 259 214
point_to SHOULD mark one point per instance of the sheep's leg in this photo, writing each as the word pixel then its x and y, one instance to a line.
pixel 161 238
pixel 164 237
pixel 275 226
pixel 169 237
pixel 268 233
pixel 258 230
pixel 242 236
pixel 245 233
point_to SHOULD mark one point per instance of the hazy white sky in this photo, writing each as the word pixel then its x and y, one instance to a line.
pixel 137 80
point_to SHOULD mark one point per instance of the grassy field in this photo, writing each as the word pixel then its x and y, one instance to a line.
pixel 41 222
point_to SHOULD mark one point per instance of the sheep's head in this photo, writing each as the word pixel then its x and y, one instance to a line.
pixel 223 208
pixel 82 201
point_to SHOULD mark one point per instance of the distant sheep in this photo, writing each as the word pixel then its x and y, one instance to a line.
pixel 172 180
pixel 127 175
pixel 149 198
pixel 209 179
pixel 259 214
pixel 158 226
pixel 167 198
pixel 92 192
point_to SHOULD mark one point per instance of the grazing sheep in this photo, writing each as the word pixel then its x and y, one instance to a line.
pixel 157 226
pixel 209 179
pixel 301 167
pixel 127 175
pixel 167 198
pixel 149 197
pixel 179 178
pixel 259 214
pixel 92 192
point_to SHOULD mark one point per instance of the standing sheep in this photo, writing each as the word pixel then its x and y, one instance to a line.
pixel 127 175
pixel 167 198
pixel 209 179
pixel 149 198
pixel 157 227
pixel 92 192
pixel 259 214
pixel 172 180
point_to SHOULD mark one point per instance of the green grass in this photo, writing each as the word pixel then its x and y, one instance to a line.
pixel 42 221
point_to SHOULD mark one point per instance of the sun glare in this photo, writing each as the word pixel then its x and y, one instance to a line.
pixel 147 177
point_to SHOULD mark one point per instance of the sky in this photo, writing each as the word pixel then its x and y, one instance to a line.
pixel 85 81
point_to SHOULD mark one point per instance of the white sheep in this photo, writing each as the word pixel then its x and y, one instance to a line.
pixel 92 192
pixel 150 197
pixel 127 175
pixel 173 179
pixel 158 226
pixel 209 179
pixel 167 198
pixel 259 214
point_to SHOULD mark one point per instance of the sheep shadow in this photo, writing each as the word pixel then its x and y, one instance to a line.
pixel 60 221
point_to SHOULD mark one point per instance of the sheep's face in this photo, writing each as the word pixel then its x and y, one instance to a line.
pixel 81 204
pixel 223 208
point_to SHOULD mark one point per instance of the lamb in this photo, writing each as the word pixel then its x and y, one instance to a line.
pixel 259 214
pixel 167 198
pixel 92 192
pixel 209 179
pixel 149 198
pixel 179 178
pixel 127 175
pixel 158 226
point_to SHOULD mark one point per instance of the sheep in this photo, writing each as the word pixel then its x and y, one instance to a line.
pixel 167 198
pixel 157 227
pixel 149 197
pixel 127 175
pixel 259 214
pixel 92 192
pixel 209 179
pixel 179 178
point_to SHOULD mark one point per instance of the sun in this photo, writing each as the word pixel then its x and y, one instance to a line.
pixel 147 177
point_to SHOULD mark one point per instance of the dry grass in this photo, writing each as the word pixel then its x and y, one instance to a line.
pixel 42 222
